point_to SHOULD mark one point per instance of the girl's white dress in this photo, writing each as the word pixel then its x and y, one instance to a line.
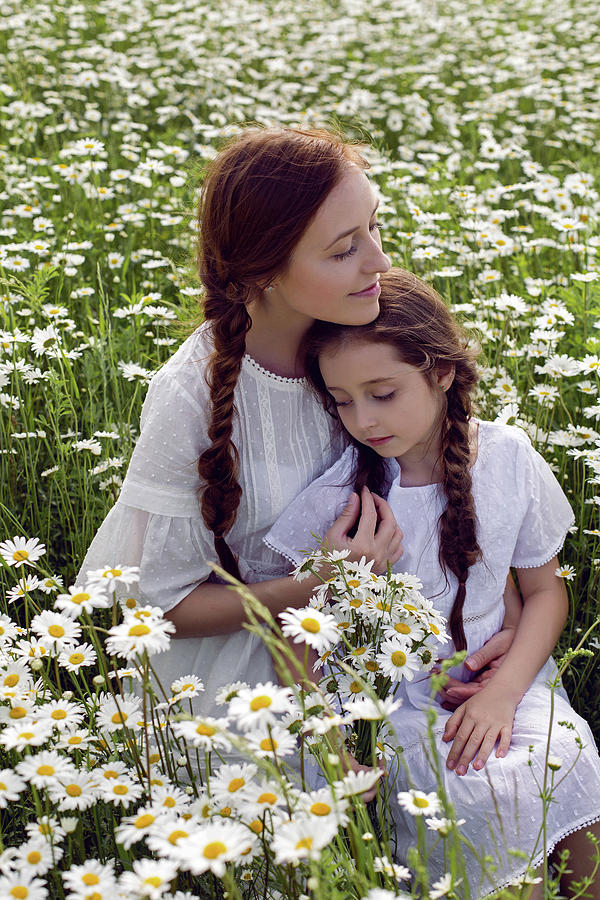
pixel 284 439
pixel 523 517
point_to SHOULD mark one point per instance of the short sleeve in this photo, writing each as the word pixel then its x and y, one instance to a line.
pixel 162 477
pixel 310 515
pixel 547 514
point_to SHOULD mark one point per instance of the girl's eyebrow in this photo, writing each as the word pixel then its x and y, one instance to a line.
pixel 350 230
pixel 365 383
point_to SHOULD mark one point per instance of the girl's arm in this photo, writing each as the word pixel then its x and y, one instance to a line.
pixel 488 716
pixel 487 659
pixel 217 609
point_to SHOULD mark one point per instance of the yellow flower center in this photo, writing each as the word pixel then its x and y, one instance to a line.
pixel 56 631
pixel 176 835
pixel 434 628
pixel 18 712
pixel 225 812
pixel 45 770
pixel 19 891
pixel 402 628
pixel 76 658
pixel 153 881
pixel 268 744
pixel 421 802
pixel 120 789
pixel 256 826
pixel 138 630
pixel 114 572
pixel 371 666
pixel 74 740
pixel 235 784
pixel 169 802
pixel 27 735
pixel 34 857
pixel 19 556
pixel 11 680
pixel 310 625
pixel 267 797
pixel 214 849
pixel 355 687
pixel 131 603
pixel 119 718
pixel 399 658
pixel 144 821
pixel 304 843
pixel 73 790
pixel 90 878
pixel 355 603
pixel 206 730
pixel 354 582
pixel 80 598
pixel 320 809
pixel 58 714
pixel 261 702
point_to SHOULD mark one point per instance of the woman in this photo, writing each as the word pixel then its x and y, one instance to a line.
pixel 229 431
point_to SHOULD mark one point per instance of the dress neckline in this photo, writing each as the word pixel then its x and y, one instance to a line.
pixel 282 379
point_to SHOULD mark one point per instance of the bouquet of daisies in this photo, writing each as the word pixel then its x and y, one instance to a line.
pixel 371 632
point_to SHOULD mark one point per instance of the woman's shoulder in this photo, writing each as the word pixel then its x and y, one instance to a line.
pixel 497 436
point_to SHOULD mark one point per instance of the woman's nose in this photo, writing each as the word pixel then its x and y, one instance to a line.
pixel 378 260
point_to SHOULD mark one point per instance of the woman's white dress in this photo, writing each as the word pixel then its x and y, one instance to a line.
pixel 523 517
pixel 285 440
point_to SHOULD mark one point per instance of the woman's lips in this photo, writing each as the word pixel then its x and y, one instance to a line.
pixel 376 442
pixel 372 291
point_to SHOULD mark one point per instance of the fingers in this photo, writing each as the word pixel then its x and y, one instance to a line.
pixel 467 742
pixel 368 517
pixel 349 514
pixel 504 742
pixel 496 647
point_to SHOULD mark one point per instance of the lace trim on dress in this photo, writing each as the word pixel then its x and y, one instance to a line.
pixel 280 552
pixel 539 858
pixel 552 555
pixel 281 378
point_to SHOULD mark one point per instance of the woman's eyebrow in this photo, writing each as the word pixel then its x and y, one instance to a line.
pixel 350 230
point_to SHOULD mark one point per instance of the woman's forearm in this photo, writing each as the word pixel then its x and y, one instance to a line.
pixel 513 605
pixel 211 609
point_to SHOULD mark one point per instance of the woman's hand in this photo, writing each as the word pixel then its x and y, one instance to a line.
pixel 477 725
pixel 484 662
pixel 377 537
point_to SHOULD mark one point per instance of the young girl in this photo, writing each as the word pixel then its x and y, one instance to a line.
pixel 473 498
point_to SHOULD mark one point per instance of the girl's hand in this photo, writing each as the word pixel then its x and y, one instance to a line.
pixel 484 662
pixel 476 726
pixel 377 536
pixel 350 764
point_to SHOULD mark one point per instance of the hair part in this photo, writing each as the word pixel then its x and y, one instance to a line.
pixel 259 196
pixel 416 322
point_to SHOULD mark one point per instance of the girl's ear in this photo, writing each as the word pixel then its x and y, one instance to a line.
pixel 445 376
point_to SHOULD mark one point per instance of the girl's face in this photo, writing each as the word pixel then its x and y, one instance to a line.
pixel 333 273
pixel 388 404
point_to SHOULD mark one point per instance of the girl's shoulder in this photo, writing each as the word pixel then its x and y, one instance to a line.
pixel 497 438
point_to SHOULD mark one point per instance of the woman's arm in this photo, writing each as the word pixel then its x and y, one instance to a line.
pixel 212 609
pixel 488 716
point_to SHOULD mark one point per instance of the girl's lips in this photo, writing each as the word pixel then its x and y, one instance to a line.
pixel 372 291
pixel 375 442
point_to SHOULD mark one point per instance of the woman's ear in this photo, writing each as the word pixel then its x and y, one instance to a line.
pixel 445 376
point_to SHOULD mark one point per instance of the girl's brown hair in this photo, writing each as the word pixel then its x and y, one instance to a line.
pixel 258 198
pixel 416 322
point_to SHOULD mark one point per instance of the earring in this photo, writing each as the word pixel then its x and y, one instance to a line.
pixel 269 288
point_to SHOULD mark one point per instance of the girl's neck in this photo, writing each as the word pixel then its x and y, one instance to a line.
pixel 274 339
pixel 428 468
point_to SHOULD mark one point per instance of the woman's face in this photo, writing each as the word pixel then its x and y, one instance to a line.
pixel 333 273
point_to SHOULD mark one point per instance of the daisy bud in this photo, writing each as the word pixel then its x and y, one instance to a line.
pixel 98 680
pixel 367 836
pixel 181 761
pixel 333 759
pixel 69 823
pixel 36 665
pixel 554 763
pixel 68 695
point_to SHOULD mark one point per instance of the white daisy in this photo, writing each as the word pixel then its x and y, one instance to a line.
pixel 210 847
pixel 21 551
pixel 310 626
pixel 418 803
pixel 301 839
pixel 11 786
pixel 150 878
pixel 256 706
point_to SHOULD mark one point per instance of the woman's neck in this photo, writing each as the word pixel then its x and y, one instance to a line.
pixel 274 339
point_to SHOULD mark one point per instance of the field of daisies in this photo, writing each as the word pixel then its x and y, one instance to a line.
pixel 482 121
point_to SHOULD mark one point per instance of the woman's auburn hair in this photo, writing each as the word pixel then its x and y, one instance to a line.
pixel 259 196
pixel 416 322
